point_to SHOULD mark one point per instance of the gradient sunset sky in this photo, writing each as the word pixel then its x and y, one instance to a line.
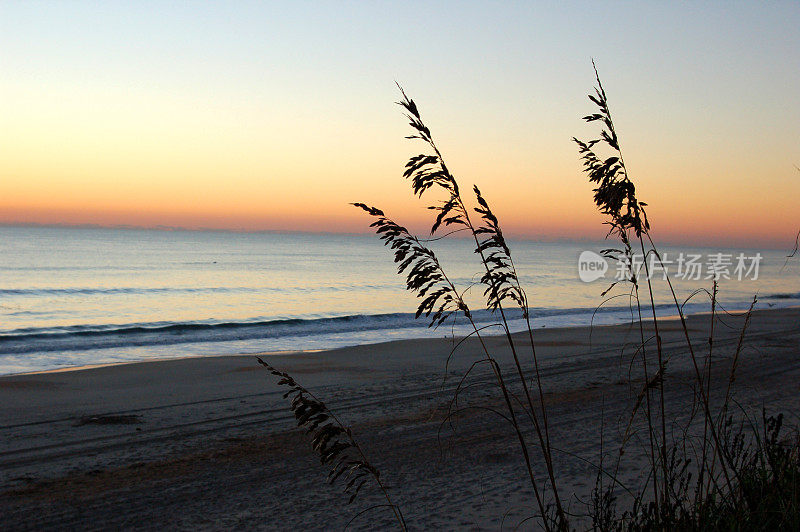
pixel 273 116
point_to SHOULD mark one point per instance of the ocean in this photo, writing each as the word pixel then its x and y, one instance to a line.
pixel 72 297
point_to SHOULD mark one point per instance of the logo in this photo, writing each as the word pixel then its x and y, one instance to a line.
pixel 591 266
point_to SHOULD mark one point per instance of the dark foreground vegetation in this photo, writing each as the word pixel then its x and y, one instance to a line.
pixel 721 470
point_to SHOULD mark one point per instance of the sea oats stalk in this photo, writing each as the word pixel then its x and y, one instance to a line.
pixel 333 442
pixel 615 196
pixel 500 276
pixel 429 171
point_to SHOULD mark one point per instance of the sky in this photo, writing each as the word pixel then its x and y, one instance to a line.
pixel 275 115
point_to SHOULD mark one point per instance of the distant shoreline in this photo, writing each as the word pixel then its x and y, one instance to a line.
pixel 779 244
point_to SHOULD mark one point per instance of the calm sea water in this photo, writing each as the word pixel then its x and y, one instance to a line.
pixel 71 297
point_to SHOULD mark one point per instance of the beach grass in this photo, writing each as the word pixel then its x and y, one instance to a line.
pixel 721 471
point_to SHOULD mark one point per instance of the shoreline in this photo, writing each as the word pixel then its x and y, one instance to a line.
pixel 85 367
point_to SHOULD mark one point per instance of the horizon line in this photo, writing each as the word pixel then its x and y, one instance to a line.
pixel 366 232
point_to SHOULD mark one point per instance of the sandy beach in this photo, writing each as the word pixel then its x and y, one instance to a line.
pixel 209 443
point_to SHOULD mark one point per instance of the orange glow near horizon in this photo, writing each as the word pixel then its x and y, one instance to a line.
pixel 284 118
pixel 232 187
